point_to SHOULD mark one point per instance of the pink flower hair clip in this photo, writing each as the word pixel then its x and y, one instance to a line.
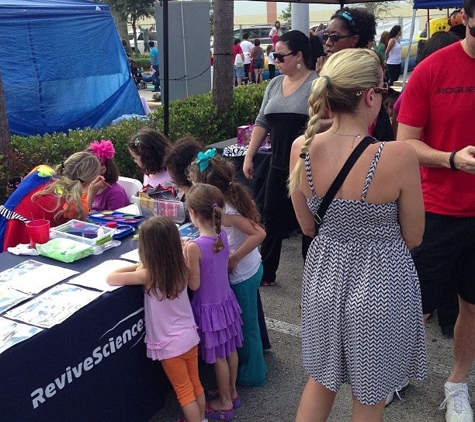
pixel 103 149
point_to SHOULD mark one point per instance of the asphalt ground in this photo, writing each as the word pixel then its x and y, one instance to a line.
pixel 278 400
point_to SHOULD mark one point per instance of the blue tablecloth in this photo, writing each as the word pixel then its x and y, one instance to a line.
pixel 92 367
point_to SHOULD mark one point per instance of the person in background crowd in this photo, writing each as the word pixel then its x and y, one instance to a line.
pixel 146 39
pixel 246 47
pixel 257 56
pixel 270 61
pixel 383 44
pixel 112 195
pixel 361 314
pixel 170 330
pixel 275 33
pixel 216 310
pixel 355 28
pixel 154 63
pixel 238 70
pixel 394 54
pixel 283 113
pixel 148 147
pixel 436 118
pixel 55 195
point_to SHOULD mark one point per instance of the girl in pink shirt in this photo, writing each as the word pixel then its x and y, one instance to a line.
pixel 170 331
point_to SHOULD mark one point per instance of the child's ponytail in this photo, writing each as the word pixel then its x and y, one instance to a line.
pixel 217 214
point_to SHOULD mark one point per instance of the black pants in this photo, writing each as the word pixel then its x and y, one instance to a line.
pixel 279 220
pixel 271 71
pixel 394 72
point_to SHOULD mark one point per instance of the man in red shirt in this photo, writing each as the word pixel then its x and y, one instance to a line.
pixel 437 119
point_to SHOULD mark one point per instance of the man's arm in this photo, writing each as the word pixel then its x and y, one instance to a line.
pixel 463 159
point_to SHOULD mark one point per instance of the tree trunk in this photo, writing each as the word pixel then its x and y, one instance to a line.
pixel 5 144
pixel 223 55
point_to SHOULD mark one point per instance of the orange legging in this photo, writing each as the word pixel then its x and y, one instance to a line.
pixel 182 371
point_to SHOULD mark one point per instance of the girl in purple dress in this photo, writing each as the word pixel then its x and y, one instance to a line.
pixel 217 312
pixel 111 195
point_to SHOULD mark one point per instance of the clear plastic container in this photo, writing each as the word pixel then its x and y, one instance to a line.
pixel 99 237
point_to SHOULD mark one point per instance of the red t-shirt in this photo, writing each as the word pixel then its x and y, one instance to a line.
pixel 236 50
pixel 440 98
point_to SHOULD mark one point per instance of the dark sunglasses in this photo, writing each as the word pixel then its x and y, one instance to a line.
pixel 334 38
pixel 378 89
pixel 471 29
pixel 280 57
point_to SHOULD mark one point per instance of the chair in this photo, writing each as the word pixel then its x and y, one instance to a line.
pixel 131 186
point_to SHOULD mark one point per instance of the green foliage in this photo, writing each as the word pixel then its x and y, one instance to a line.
pixel 195 116
pixel 286 16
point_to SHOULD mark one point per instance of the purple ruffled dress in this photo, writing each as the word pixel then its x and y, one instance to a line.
pixel 216 309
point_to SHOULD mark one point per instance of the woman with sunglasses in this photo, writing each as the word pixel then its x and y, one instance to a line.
pixel 355 27
pixel 361 305
pixel 283 114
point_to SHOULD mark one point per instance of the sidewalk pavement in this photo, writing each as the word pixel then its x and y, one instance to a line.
pixel 278 400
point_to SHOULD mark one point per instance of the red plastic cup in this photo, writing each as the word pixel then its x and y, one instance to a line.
pixel 38 231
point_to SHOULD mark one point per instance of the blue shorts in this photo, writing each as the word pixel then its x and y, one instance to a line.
pixel 239 72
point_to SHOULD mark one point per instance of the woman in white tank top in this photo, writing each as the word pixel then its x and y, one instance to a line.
pixel 394 54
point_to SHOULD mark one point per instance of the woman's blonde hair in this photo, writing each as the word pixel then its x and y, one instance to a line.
pixel 344 75
pixel 81 167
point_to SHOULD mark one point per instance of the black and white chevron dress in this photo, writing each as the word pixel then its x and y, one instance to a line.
pixel 361 305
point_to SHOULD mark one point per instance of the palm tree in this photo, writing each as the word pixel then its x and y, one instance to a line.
pixel 223 53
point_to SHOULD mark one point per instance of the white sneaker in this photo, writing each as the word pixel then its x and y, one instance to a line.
pixel 400 387
pixel 457 401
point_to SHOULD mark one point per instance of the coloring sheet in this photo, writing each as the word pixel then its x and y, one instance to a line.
pixel 31 277
pixel 12 333
pixel 132 255
pixel 95 278
pixel 10 297
pixel 53 306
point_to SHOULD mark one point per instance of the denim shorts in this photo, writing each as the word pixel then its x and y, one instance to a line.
pixel 239 72
pixel 446 255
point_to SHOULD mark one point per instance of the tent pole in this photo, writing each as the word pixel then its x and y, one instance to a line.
pixel 166 82
pixel 406 63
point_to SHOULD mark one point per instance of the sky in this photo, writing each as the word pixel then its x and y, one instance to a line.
pixel 259 7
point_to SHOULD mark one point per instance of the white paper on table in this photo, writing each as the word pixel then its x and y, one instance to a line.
pixel 10 297
pixel 53 306
pixel 12 332
pixel 95 278
pixel 31 277
pixel 132 255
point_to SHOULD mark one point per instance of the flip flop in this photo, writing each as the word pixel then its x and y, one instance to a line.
pixel 214 394
pixel 222 415
pixel 267 283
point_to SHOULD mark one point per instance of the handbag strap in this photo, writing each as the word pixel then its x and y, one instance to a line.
pixel 340 178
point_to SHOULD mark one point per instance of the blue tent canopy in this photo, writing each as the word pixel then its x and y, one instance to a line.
pixel 63 66
pixel 435 4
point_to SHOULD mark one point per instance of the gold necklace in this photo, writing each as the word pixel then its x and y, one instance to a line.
pixel 357 136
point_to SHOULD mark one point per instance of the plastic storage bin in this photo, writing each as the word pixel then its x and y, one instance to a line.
pixel 173 209
pixel 99 237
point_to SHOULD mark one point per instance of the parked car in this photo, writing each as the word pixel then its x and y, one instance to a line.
pixel 140 44
pixel 261 32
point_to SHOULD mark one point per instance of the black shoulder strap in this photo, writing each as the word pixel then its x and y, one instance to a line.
pixel 335 186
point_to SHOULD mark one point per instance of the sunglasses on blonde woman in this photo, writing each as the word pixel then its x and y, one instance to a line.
pixel 378 89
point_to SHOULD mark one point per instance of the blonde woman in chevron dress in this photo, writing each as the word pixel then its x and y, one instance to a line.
pixel 361 307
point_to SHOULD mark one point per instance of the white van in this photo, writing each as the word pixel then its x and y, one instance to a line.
pixel 261 32
pixel 140 43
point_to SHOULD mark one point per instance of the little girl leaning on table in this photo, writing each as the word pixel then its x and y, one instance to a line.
pixel 170 329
